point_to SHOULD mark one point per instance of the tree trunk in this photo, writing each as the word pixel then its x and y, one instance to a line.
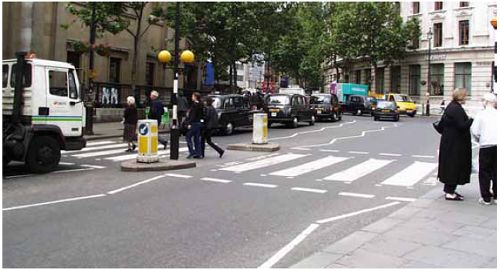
pixel 134 57
pixel 336 68
pixel 231 76
pixel 374 79
pixel 235 75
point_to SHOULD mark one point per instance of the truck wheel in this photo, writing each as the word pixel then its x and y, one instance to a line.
pixel 43 154
pixel 335 117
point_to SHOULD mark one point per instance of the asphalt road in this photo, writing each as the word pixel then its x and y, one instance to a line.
pixel 238 211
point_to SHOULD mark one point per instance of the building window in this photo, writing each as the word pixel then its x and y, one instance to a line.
pixel 438 34
pixel 464 4
pixel 415 43
pixel 150 73
pixel 379 81
pixel 463 27
pixel 414 80
pixel 239 78
pixel 438 5
pixel 74 59
pixel 463 75
pixel 358 76
pixel 416 7
pixel 114 70
pixel 58 83
pixel 437 79
pixel 396 79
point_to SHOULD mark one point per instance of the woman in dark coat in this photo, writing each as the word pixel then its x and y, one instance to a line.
pixel 455 148
pixel 130 122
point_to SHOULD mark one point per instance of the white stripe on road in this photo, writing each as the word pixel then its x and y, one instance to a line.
pixel 216 180
pixel 422 156
pixel 359 195
pixel 99 143
pixel 286 249
pixel 259 185
pixel 74 170
pixel 66 163
pixel 101 153
pixel 178 175
pixel 403 199
pixel 328 150
pixel 359 170
pixel 411 175
pixel 310 166
pixel 132 156
pixel 262 163
pixel 309 190
pixel 53 202
pixel 301 148
pixel 93 166
pixel 18 176
pixel 358 152
pixel 356 213
pixel 390 154
pixel 87 149
pixel 136 184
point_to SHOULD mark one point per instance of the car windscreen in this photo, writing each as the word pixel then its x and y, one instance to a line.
pixel 399 98
pixel 217 102
pixel 278 100
pixel 320 100
pixel 385 105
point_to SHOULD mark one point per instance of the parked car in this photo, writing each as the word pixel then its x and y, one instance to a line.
pixel 326 106
pixel 357 105
pixel 405 104
pixel 233 111
pixel 386 110
pixel 289 109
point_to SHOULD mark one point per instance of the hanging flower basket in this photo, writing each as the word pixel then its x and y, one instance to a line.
pixel 78 46
pixel 103 50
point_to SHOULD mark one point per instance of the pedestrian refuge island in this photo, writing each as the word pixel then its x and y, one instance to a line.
pixel 259 137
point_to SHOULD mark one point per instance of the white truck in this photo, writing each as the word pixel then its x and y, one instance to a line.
pixel 43 112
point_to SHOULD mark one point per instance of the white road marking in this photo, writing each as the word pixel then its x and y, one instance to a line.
pixel 178 175
pixel 390 154
pixel 286 249
pixel 136 184
pixel 66 163
pixel 259 185
pixel 18 176
pixel 254 158
pixel 74 170
pixel 309 190
pixel 358 171
pixel 101 153
pixel 310 166
pixel 403 199
pixel 87 149
pixel 99 143
pixel 132 156
pixel 422 156
pixel 262 163
pixel 93 166
pixel 356 213
pixel 411 174
pixel 358 152
pixel 216 180
pixel 301 148
pixel 431 181
pixel 263 175
pixel 53 202
pixel 310 131
pixel 359 195
pixel 328 150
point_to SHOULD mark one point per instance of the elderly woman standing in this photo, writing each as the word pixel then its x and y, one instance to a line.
pixel 130 121
pixel 455 148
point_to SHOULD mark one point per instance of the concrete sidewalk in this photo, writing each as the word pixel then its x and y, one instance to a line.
pixel 110 130
pixel 427 233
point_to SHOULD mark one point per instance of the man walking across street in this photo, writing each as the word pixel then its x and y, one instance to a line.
pixel 209 127
pixel 484 130
pixel 155 112
pixel 194 125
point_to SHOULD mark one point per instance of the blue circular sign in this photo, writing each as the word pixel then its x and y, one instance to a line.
pixel 143 129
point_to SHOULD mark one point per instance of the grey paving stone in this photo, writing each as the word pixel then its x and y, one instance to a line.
pixel 390 246
pixel 447 257
pixel 318 260
pixel 366 259
pixel 491 224
pixel 382 225
pixel 484 247
pixel 422 236
pixel 350 242
pixel 464 217
pixel 336 265
pixel 432 213
pixel 433 194
pixel 439 225
pixel 417 264
pixel 476 232
pixel 405 212
pixel 491 264
pixel 422 203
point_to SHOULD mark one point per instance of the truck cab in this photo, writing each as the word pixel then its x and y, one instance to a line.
pixel 42 110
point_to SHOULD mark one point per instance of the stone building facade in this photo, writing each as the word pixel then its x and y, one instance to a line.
pixel 462 54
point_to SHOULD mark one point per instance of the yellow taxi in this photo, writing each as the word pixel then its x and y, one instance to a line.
pixel 405 104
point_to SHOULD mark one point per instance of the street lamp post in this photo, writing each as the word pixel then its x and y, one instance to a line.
pixel 165 57
pixel 427 105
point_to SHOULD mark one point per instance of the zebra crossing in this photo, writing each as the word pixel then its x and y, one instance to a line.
pixel 388 175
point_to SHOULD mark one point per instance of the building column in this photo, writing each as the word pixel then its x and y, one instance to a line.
pixel 480 80
pixel 449 80
pixel 387 79
pixel 405 79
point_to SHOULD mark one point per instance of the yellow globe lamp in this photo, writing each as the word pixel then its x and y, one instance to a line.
pixel 187 56
pixel 164 56
pixel 494 22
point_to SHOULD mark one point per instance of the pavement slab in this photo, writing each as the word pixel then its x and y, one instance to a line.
pixel 318 260
pixel 484 247
pixel 405 212
pixel 350 242
pixel 444 257
pixel 421 235
pixel 476 232
pixel 390 246
pixel 362 258
pixel 382 225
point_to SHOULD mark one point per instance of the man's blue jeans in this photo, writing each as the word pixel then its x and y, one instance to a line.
pixel 194 133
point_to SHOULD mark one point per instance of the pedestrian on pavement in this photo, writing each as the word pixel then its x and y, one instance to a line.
pixel 484 131
pixel 210 125
pixel 194 125
pixel 455 148
pixel 155 112
pixel 130 122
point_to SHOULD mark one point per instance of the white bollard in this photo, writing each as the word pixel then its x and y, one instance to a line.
pixel 259 128
pixel 148 141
